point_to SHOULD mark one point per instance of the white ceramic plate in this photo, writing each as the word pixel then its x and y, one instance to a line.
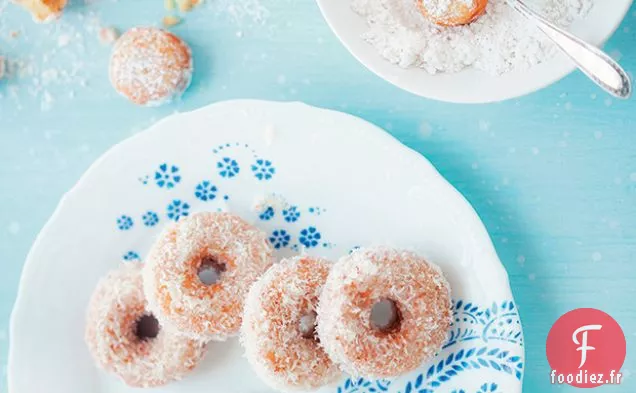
pixel 286 167
pixel 470 85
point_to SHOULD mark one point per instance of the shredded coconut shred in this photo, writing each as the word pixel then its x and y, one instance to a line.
pixel 443 7
pixel 499 41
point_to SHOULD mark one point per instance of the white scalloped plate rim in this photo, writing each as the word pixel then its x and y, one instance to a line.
pixel 486 297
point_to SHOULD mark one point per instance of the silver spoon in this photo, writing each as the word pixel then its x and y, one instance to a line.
pixel 595 63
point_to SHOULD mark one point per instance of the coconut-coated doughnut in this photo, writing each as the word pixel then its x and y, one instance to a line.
pixel 124 337
pixel 383 312
pixel 278 330
pixel 452 12
pixel 231 253
pixel 150 66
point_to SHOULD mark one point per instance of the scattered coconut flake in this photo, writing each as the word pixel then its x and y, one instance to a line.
pixel 108 35
pixel 63 40
pixel 171 20
pixel 242 11
pixel 47 101
pixel 185 5
pixel 58 67
pixel 263 201
pixel 49 76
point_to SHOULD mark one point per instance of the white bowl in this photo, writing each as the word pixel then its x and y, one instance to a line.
pixel 352 193
pixel 470 85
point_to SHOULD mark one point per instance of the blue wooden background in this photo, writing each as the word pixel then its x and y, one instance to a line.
pixel 553 174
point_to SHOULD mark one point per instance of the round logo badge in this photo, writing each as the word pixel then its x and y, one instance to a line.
pixel 586 348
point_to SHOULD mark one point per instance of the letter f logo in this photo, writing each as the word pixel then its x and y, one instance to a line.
pixel 583 344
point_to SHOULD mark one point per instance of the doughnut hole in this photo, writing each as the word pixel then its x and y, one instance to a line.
pixel 307 325
pixel 210 270
pixel 385 316
pixel 147 327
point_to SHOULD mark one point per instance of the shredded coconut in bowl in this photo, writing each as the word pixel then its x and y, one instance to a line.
pixel 442 7
pixel 498 42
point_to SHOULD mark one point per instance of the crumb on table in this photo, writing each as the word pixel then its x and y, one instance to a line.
pixel 171 20
pixel 185 5
pixel 43 10
pixel 108 35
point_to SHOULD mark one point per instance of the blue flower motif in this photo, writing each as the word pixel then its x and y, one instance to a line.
pixel 150 219
pixel 124 223
pixel 228 167
pixel 280 238
pixel 178 209
pixel 131 256
pixel 267 214
pixel 309 237
pixel 291 214
pixel 167 176
pixel 458 391
pixel 205 191
pixel 263 169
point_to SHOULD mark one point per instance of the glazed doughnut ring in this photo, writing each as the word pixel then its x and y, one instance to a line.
pixel 452 12
pixel 124 338
pixel 383 312
pixel 278 330
pixel 150 66
pixel 200 269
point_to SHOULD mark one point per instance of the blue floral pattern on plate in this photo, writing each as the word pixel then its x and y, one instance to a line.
pixel 355 385
pixel 177 209
pixel 291 214
pixel 150 219
pixel 475 350
pixel 167 176
pixel 131 256
pixel 263 169
pixel 205 191
pixel 309 237
pixel 280 238
pixel 124 223
pixel 228 167
pixel 498 322
pixel 267 214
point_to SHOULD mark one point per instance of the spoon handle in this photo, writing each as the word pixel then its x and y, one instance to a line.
pixel 596 64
